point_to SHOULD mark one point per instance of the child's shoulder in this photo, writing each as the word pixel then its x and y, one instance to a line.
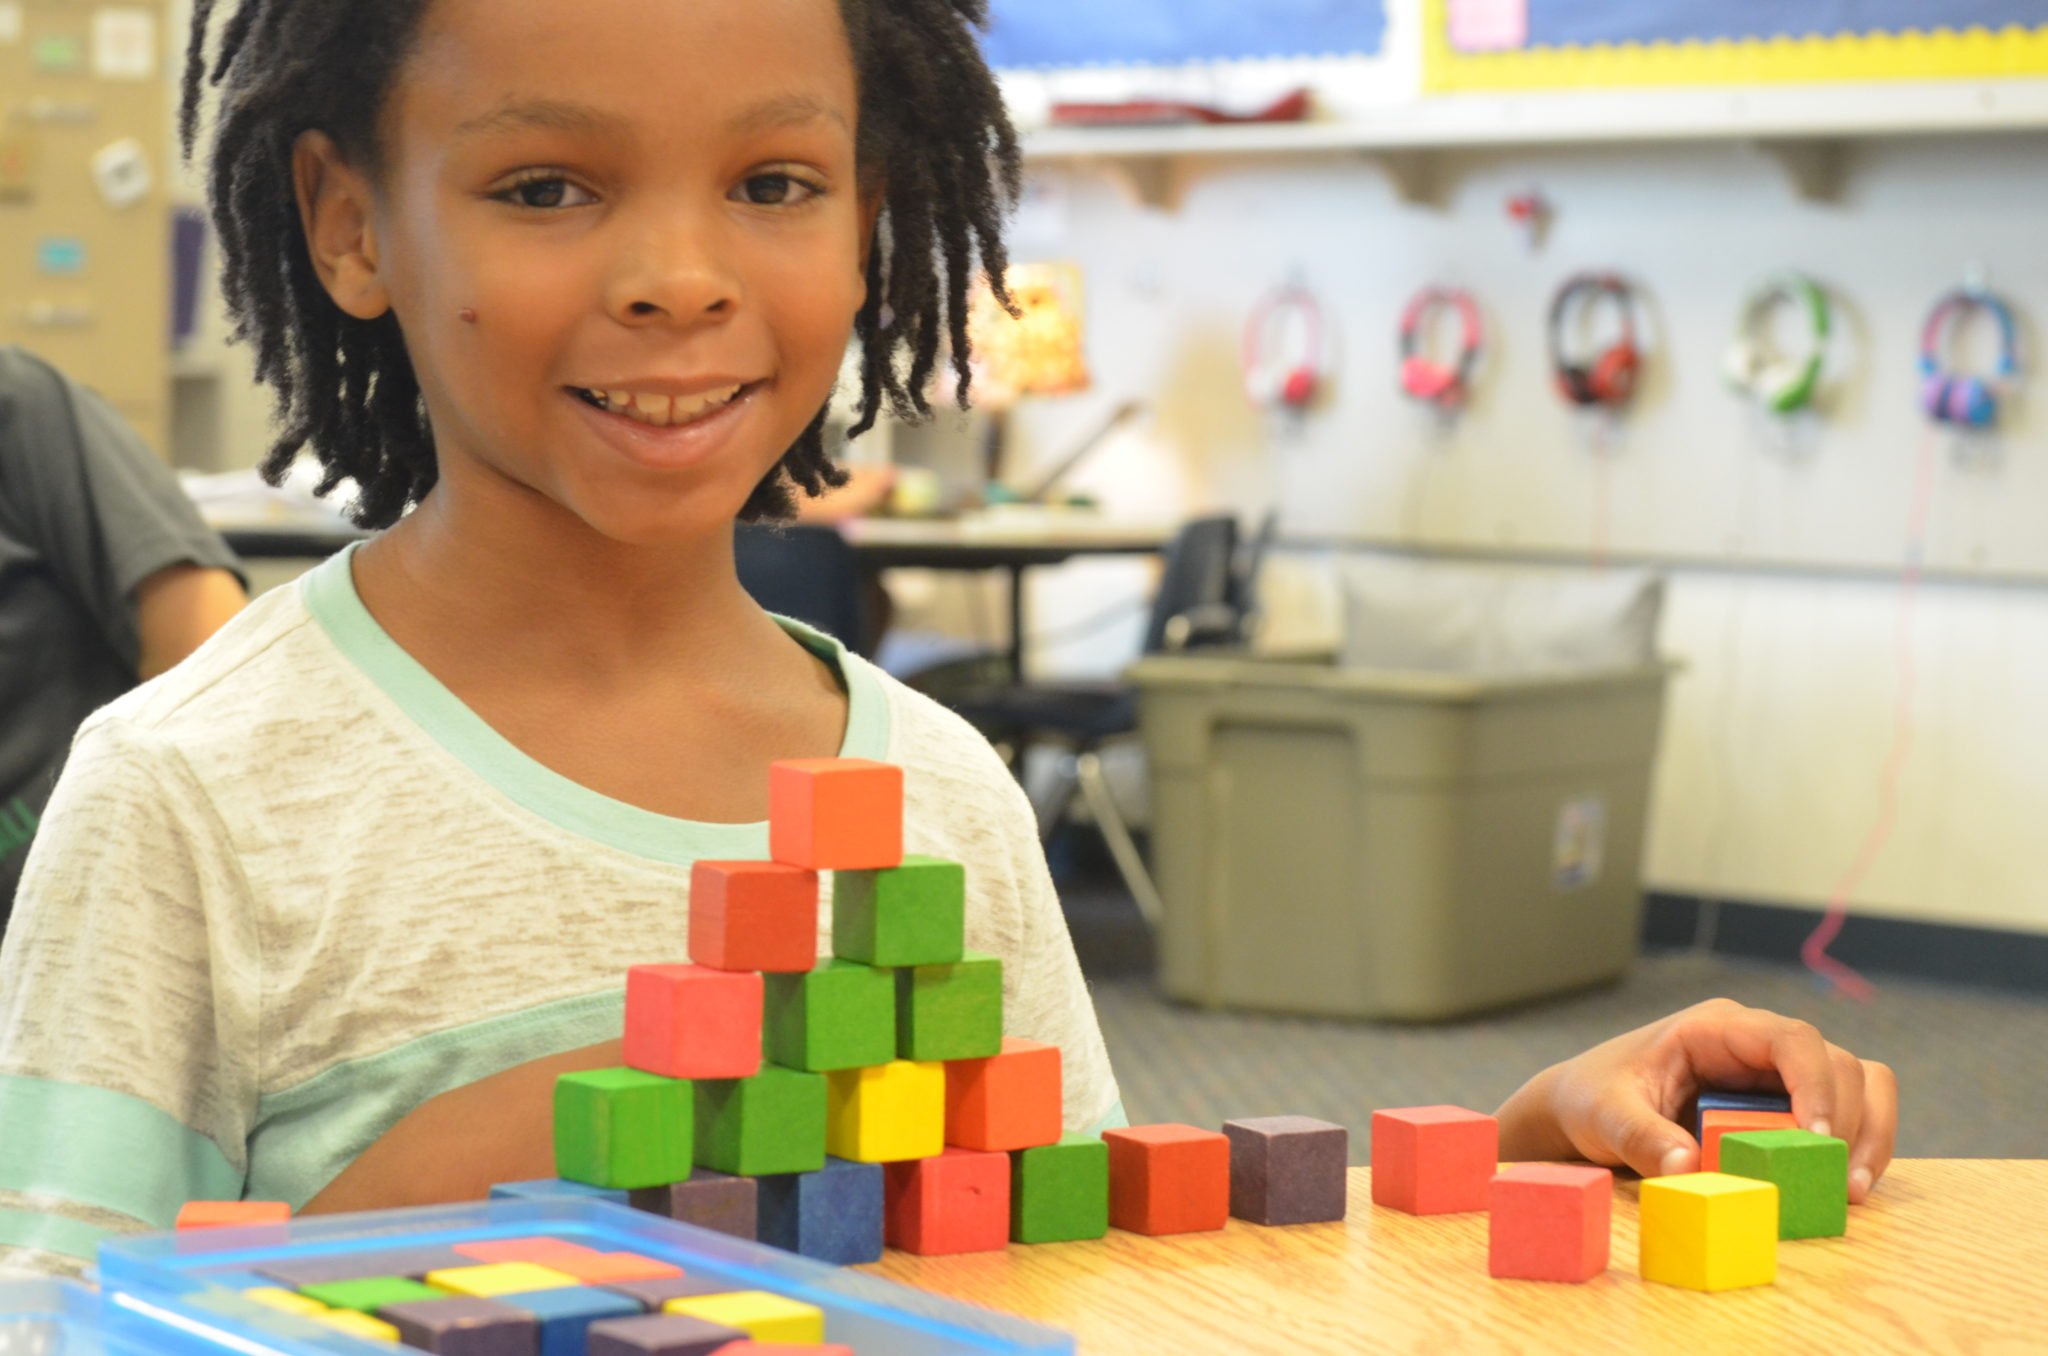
pixel 263 663
pixel 944 755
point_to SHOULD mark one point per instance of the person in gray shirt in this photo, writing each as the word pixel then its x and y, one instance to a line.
pixel 108 576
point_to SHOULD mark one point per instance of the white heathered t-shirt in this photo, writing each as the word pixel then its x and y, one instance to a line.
pixel 295 888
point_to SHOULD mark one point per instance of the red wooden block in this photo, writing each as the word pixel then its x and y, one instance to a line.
pixel 690 1021
pixel 1433 1160
pixel 1549 1222
pixel 1006 1101
pixel 607 1268
pixel 541 1249
pixel 957 1202
pixel 754 916
pixel 1714 1124
pixel 231 1214
pixel 835 814
pixel 1168 1179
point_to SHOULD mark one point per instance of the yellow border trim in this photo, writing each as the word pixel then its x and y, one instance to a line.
pixel 1937 55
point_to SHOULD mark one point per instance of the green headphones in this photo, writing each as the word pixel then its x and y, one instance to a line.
pixel 1781 384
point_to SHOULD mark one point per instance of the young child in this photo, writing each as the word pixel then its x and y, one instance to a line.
pixel 321 915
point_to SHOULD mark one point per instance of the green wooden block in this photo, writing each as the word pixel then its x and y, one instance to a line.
pixel 771 1123
pixel 913 914
pixel 946 1012
pixel 1811 1172
pixel 621 1128
pixel 841 1015
pixel 369 1295
pixel 1059 1193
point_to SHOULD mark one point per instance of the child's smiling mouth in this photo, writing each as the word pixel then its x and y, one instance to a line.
pixel 662 411
pixel 664 431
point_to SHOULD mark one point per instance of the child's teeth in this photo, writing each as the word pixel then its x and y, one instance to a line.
pixel 653 408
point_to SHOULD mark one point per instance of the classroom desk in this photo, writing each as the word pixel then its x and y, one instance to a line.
pixel 1011 546
pixel 1949 1255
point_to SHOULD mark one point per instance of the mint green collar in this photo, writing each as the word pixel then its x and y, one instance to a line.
pixel 329 592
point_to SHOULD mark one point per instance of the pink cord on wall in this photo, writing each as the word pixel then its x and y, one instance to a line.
pixel 1815 950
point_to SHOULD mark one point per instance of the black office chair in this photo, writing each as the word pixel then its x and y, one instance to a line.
pixel 808 574
pixel 1201 602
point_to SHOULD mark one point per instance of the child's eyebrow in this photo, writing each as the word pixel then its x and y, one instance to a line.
pixel 554 115
pixel 550 114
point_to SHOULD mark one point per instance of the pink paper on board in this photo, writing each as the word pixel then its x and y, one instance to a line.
pixel 1489 25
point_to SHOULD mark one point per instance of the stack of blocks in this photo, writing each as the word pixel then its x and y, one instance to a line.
pixel 870 1099
pixel 1710 1230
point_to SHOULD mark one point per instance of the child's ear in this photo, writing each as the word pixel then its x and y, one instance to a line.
pixel 335 210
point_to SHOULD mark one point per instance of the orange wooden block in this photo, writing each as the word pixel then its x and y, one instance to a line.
pixel 1433 1160
pixel 231 1214
pixel 1168 1179
pixel 1714 1124
pixel 541 1248
pixel 1549 1222
pixel 958 1202
pixel 1006 1101
pixel 754 916
pixel 610 1268
pixel 835 814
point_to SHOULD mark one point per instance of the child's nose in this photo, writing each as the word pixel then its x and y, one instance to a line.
pixel 676 277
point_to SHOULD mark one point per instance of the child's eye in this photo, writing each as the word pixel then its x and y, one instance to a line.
pixel 778 190
pixel 543 192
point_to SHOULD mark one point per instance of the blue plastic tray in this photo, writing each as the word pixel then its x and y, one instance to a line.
pixel 58 1318
pixel 189 1283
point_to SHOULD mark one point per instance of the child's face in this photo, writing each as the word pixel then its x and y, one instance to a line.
pixel 646 197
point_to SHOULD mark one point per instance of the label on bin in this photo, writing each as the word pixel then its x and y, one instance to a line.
pixel 1580 844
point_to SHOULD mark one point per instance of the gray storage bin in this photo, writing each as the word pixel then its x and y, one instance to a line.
pixel 1394 845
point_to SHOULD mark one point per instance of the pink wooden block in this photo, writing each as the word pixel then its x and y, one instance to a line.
pixel 1549 1222
pixel 1433 1160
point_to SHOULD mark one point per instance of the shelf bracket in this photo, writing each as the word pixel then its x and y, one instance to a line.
pixel 1815 168
pixel 1413 174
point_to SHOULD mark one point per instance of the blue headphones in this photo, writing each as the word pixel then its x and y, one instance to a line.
pixel 1951 397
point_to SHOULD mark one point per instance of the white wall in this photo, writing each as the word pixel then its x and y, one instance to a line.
pixel 1786 713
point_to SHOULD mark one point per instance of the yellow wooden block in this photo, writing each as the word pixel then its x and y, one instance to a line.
pixel 886 1114
pixel 500 1278
pixel 357 1325
pixel 758 1314
pixel 291 1301
pixel 1709 1231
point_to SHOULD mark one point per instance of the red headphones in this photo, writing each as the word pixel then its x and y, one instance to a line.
pixel 1609 380
pixel 1288 370
pixel 1422 377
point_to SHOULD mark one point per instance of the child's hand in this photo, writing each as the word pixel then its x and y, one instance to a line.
pixel 1616 1103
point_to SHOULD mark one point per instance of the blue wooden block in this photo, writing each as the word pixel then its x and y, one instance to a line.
pixel 1714 1100
pixel 565 1315
pixel 550 1188
pixel 833 1215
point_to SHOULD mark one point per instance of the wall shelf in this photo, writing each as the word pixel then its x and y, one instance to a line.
pixel 1805 129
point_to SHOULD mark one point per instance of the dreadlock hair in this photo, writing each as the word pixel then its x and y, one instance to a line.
pixel 933 135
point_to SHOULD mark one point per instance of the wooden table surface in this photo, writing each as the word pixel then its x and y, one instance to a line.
pixel 1949 1255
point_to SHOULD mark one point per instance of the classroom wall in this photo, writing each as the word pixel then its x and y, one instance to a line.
pixel 1786 544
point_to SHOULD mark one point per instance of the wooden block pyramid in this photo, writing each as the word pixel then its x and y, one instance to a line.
pixel 836 1106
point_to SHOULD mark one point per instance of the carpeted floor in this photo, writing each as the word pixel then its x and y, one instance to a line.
pixel 1971 1064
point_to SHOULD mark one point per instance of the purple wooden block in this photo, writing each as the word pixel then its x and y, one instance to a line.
pixel 1288 1170
pixel 298 1272
pixel 655 1294
pixel 660 1335
pixel 709 1200
pixel 464 1327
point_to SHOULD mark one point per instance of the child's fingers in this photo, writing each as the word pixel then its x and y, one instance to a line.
pixel 1870 1153
pixel 1724 1041
pixel 1625 1126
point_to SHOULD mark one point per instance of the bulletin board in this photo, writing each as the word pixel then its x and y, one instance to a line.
pixel 1479 45
pixel 1068 34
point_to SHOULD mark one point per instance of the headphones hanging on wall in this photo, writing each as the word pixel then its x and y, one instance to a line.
pixel 1609 380
pixel 1951 397
pixel 1781 383
pixel 1447 387
pixel 1283 349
